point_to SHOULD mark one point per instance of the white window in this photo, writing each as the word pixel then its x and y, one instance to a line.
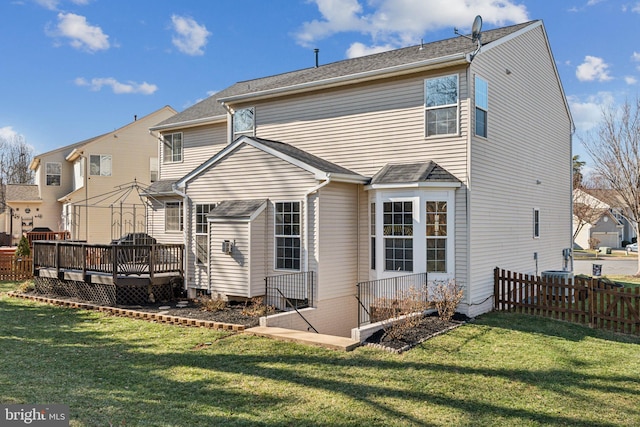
pixel 287 235
pixel 172 147
pixel 100 164
pixel 173 216
pixel 536 223
pixel 436 221
pixel 397 225
pixel 202 238
pixel 243 122
pixel 482 106
pixel 441 103
pixel 153 169
pixel 54 173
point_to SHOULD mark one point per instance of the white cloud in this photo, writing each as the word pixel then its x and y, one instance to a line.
pixel 588 113
pixel 635 56
pixel 53 4
pixel 359 49
pixel 7 133
pixel 630 80
pixel 190 37
pixel 117 87
pixel 636 8
pixel 593 68
pixel 394 23
pixel 82 35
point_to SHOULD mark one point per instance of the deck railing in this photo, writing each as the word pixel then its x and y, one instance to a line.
pixel 47 235
pixel 379 296
pixel 116 260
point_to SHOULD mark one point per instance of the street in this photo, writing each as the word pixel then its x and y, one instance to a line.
pixel 610 266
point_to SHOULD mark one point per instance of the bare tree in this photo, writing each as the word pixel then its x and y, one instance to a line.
pixel 15 157
pixel 614 149
pixel 586 210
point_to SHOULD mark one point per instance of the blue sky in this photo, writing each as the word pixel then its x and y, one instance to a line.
pixel 74 69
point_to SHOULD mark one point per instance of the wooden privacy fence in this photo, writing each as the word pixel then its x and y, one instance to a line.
pixel 588 301
pixel 15 268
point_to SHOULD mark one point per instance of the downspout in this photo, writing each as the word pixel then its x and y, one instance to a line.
pixel 306 218
pixel 186 226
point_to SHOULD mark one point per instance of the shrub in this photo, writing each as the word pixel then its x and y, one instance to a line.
pixel 212 304
pixel 256 308
pixel 23 248
pixel 26 287
pixel 401 314
pixel 447 296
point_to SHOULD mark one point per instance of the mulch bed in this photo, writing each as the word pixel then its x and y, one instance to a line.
pixel 428 327
pixel 233 314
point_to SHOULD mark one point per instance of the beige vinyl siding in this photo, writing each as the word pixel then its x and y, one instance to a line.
pixel 229 273
pixel 527 121
pixel 365 126
pixel 338 236
pixel 267 177
pixel 250 173
pixel 199 144
pixel 261 252
pixel 156 222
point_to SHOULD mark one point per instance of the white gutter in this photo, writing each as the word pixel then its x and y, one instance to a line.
pixel 190 123
pixel 414 67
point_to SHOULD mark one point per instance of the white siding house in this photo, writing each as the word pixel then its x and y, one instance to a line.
pixel 437 159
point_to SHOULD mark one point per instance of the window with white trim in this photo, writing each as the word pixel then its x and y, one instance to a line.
pixel 482 106
pixel 172 147
pixel 536 223
pixel 202 238
pixel 243 122
pixel 100 164
pixel 173 216
pixel 436 231
pixel 287 235
pixel 441 104
pixel 153 169
pixel 54 173
pixel 397 225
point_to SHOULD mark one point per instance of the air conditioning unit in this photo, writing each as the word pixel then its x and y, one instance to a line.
pixel 227 247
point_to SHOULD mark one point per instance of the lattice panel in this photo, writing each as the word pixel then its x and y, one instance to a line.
pixel 103 294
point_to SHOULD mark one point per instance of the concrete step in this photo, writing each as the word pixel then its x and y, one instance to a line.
pixel 327 341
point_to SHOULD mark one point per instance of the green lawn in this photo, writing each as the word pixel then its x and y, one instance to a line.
pixel 501 370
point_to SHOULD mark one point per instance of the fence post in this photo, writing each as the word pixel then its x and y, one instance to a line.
pixel 591 300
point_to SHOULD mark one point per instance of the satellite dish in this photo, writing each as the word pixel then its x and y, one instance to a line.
pixel 476 28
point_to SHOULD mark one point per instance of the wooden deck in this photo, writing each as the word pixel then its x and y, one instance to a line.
pixel 109 274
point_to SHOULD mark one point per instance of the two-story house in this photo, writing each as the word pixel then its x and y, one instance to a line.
pixel 90 188
pixel 449 158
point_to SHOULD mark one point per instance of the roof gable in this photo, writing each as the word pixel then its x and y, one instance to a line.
pixel 322 169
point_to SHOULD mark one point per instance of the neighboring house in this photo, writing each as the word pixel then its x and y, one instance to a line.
pixel 439 158
pixel 599 219
pixel 90 188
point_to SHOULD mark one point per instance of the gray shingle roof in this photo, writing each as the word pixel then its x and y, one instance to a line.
pixel 236 209
pixel 305 157
pixel 22 192
pixel 210 107
pixel 413 172
pixel 163 186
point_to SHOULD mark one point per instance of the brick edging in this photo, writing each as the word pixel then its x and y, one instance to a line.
pixel 134 314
